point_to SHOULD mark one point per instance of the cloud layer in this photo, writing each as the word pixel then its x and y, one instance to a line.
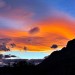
pixel 36 25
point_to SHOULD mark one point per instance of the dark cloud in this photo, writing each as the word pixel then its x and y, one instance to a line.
pixel 3 44
pixel 5 40
pixel 12 45
pixel 9 56
pixel 1 56
pixel 25 48
pixel 34 30
pixel 54 46
pixel 4 48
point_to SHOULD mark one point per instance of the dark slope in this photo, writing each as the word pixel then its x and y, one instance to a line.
pixel 58 63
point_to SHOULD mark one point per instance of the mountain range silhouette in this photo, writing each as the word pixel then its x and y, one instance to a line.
pixel 60 62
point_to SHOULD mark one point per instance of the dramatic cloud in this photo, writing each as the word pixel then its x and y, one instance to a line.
pixel 4 48
pixel 34 30
pixel 12 45
pixel 47 32
pixel 40 43
pixel 54 46
pixel 34 25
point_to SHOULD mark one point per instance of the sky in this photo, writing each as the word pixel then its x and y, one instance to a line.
pixel 35 25
pixel 27 55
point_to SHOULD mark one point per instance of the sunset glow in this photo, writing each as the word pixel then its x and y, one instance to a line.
pixel 36 25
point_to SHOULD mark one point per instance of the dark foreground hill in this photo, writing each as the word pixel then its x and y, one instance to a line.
pixel 58 63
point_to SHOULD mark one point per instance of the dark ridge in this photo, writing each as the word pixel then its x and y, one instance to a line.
pixel 60 62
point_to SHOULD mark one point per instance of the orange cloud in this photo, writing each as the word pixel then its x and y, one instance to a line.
pixel 52 31
pixel 55 31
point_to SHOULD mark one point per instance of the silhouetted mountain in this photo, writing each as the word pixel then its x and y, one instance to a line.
pixel 60 62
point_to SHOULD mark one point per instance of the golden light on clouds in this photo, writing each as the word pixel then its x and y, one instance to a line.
pixel 41 35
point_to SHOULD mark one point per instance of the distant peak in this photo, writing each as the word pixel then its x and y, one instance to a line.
pixel 71 44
